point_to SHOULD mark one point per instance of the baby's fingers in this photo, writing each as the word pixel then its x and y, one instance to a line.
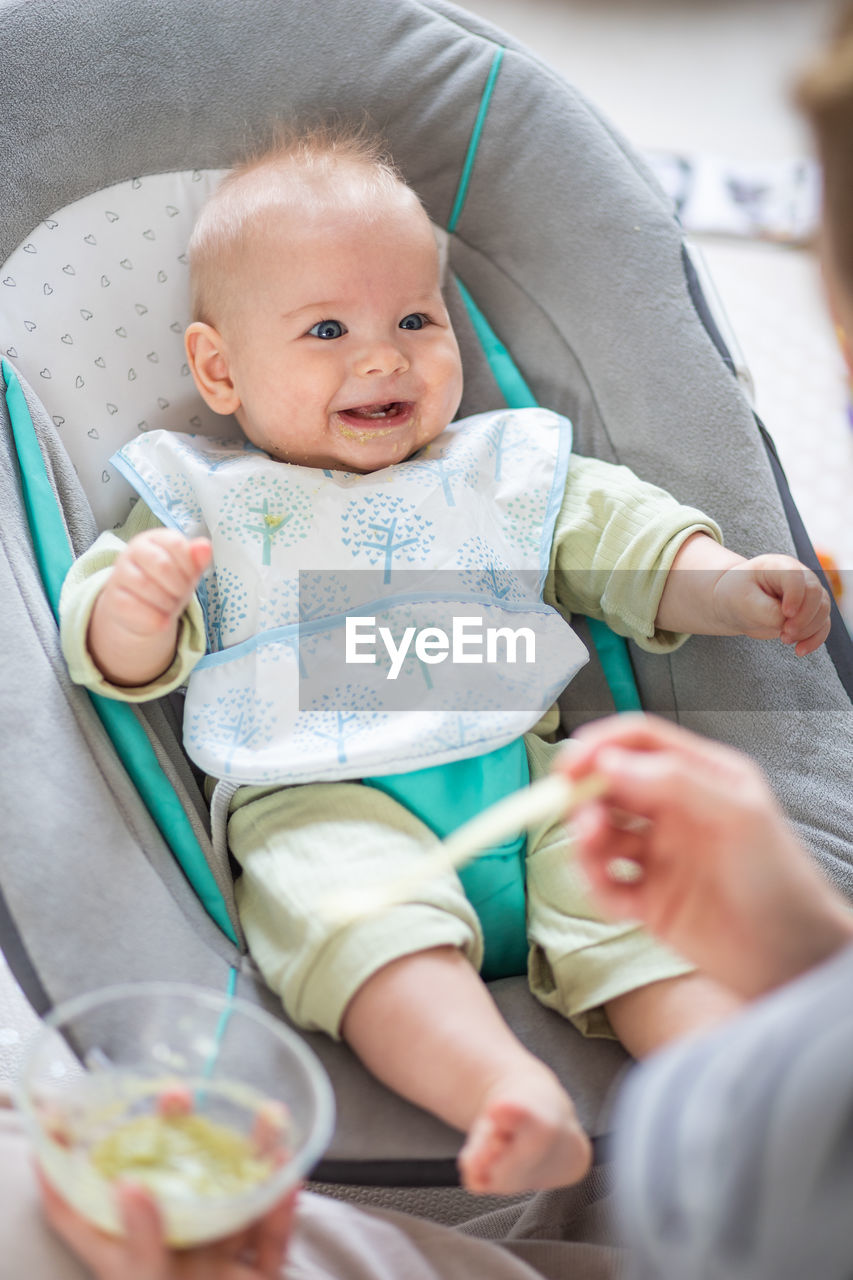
pixel 162 569
pixel 807 615
pixel 201 553
pixel 813 641
pixel 170 559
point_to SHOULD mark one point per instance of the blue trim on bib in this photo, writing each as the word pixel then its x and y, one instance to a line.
pixel 146 493
pixel 290 633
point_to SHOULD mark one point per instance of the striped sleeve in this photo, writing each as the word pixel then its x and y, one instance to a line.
pixel 614 543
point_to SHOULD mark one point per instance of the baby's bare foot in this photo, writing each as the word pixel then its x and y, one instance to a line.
pixel 526 1137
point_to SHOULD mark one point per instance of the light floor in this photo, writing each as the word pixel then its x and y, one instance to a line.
pixel 700 76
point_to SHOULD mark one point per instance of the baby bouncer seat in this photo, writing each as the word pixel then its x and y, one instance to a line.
pixel 569 285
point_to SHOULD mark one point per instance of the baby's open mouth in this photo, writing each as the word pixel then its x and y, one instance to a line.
pixel 383 414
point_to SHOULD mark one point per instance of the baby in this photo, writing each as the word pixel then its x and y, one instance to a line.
pixel 319 323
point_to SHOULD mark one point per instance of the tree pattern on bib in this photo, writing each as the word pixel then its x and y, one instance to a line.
pixel 486 573
pixel 441 661
pixel 239 719
pixel 328 722
pixel 227 600
pixel 456 467
pixel 526 513
pixel 504 439
pixel 266 514
pixel 385 530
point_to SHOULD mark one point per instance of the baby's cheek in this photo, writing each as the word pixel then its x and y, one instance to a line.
pixel 453 386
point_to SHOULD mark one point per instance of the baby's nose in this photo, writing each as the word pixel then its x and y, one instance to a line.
pixel 382 358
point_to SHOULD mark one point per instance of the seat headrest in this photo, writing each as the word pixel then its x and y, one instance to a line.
pixel 95 304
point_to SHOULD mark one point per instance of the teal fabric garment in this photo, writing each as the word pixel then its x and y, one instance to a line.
pixel 446 796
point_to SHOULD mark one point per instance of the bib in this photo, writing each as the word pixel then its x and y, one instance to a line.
pixel 368 624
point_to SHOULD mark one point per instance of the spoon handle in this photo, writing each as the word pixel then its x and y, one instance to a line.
pixel 552 797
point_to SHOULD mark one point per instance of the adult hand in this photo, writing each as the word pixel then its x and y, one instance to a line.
pixel 718 873
pixel 141 1254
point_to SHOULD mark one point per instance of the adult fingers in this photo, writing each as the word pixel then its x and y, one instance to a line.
pixel 96 1250
pixel 664 782
pixel 641 735
pixel 146 1252
pixel 273 1236
pixel 637 731
pixel 604 851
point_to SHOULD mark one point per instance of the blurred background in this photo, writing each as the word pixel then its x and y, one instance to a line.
pixel 703 88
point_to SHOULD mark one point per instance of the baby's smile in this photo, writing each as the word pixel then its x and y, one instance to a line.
pixel 391 413
pixel 372 411
pixel 368 422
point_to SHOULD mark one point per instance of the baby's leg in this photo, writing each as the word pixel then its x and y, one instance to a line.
pixel 426 1025
pixel 607 977
pixel 649 1017
pixel 402 987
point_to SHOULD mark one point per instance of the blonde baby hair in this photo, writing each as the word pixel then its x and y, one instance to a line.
pixel 298 167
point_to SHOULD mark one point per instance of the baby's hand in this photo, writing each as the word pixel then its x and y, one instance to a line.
pixel 154 579
pixel 133 630
pixel 774 596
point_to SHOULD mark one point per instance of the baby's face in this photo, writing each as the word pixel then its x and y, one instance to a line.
pixel 338 342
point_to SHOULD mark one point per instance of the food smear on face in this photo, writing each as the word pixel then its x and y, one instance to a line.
pixel 364 437
pixel 185 1155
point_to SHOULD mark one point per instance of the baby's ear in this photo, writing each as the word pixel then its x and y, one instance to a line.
pixel 209 367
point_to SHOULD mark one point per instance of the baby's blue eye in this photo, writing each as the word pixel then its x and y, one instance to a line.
pixel 327 329
pixel 417 320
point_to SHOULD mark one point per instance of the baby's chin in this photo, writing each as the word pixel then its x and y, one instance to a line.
pixel 354 446
pixel 365 449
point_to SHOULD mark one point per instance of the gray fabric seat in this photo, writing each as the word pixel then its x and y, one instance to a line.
pixel 571 251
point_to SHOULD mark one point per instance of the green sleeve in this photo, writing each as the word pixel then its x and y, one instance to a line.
pixel 614 543
pixel 84 582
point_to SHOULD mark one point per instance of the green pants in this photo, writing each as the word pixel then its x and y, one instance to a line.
pixel 296 844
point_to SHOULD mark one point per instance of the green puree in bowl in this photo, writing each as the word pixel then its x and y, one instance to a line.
pixel 186 1155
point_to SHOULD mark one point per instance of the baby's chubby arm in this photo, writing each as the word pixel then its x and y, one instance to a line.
pixel 133 630
pixel 713 591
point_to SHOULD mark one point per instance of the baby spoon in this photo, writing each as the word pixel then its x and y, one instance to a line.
pixel 550 798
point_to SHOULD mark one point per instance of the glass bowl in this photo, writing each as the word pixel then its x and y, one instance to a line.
pixel 210 1102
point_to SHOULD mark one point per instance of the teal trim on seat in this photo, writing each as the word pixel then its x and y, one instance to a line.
pixel 54 557
pixel 504 369
pixel 474 142
pixel 612 650
pixel 47 527
pixel 613 654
